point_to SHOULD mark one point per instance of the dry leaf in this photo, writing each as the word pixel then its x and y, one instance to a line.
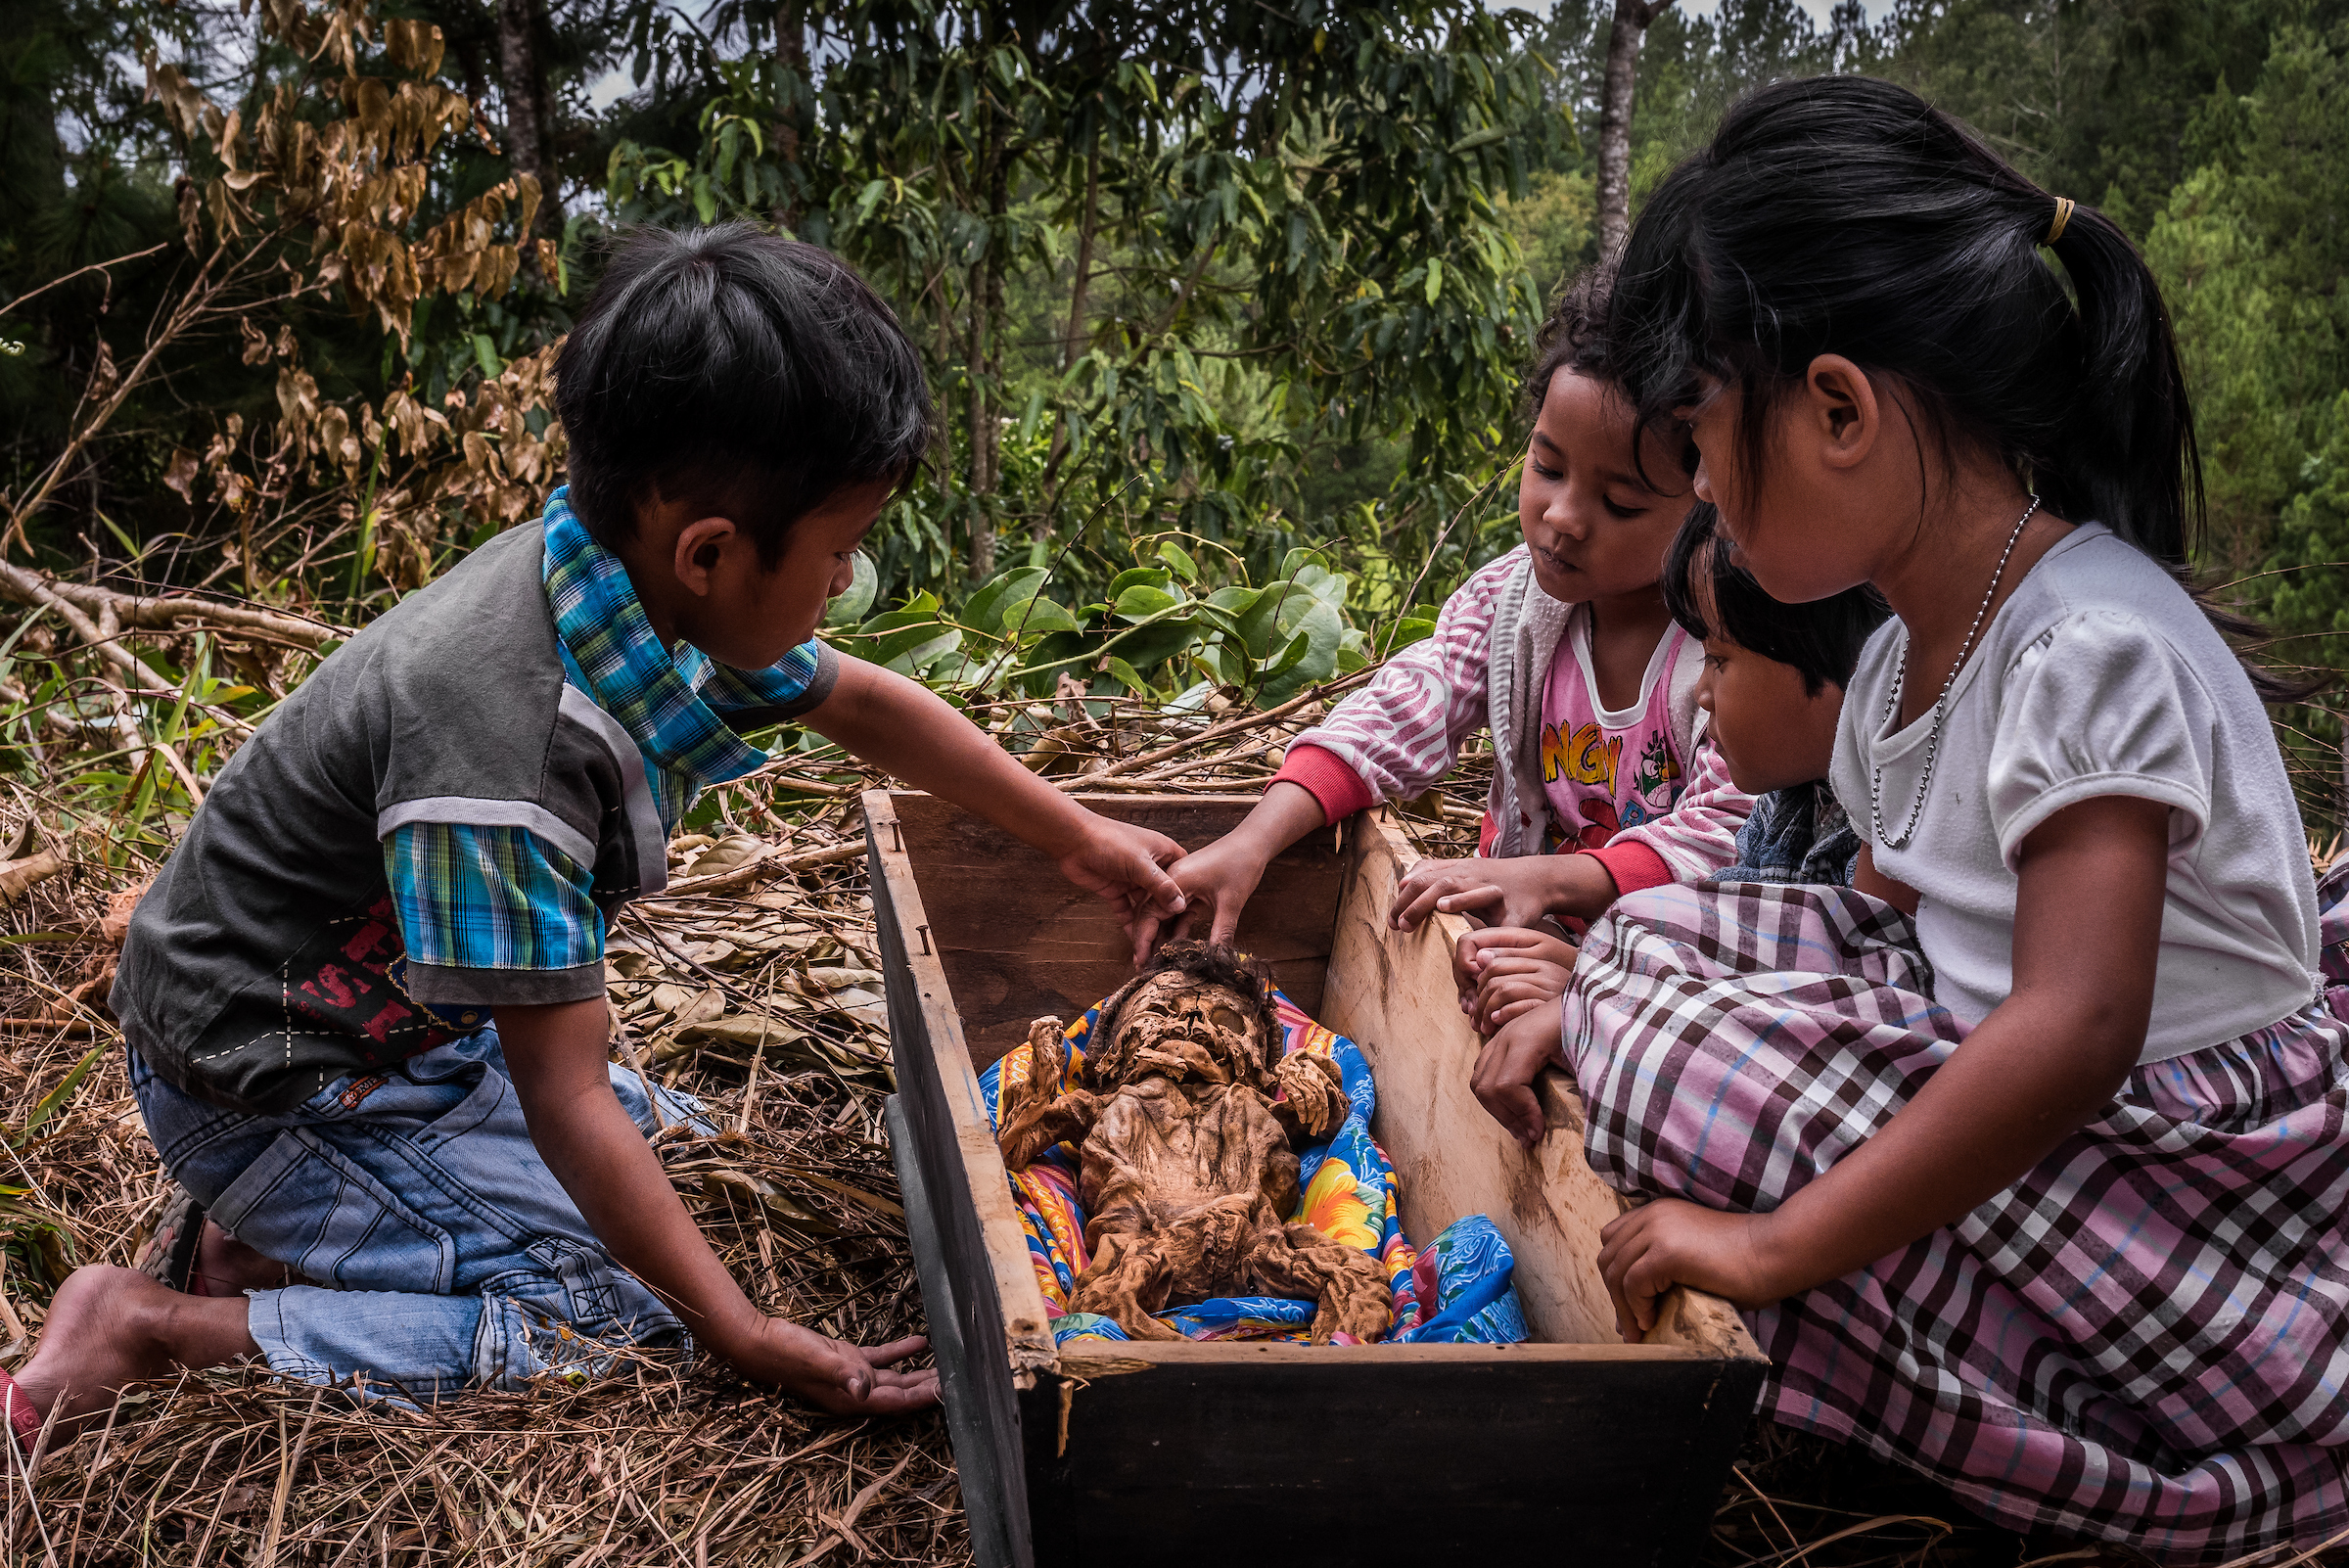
pixel 17 876
pixel 725 854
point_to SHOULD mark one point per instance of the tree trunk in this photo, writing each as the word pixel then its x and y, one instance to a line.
pixel 530 141
pixel 1631 18
pixel 1086 223
pixel 791 54
pixel 986 433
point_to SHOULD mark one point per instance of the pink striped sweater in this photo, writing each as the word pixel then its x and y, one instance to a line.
pixel 1485 666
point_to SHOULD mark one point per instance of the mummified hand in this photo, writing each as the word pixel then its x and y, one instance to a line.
pixel 1314 1096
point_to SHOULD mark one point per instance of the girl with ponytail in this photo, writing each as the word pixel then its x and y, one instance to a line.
pixel 2026 1156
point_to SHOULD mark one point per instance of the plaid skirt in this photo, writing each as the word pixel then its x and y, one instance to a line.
pixel 2146 1339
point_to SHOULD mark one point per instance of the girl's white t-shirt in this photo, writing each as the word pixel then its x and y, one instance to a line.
pixel 2097 677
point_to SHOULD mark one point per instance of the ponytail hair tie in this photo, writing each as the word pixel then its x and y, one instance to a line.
pixel 2063 215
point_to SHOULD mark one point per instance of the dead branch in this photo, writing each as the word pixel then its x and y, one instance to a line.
pixel 169 612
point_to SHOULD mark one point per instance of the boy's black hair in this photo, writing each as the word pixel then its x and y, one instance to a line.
pixel 1823 639
pixel 748 375
pixel 1845 215
pixel 1572 338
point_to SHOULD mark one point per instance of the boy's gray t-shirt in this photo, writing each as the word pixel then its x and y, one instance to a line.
pixel 267 960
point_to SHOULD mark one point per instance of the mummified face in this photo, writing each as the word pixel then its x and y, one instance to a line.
pixel 1185 1028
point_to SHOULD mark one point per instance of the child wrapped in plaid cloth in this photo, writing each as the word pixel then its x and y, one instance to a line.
pixel 2027 1155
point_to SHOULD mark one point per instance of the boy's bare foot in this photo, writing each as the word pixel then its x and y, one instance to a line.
pixel 111 1327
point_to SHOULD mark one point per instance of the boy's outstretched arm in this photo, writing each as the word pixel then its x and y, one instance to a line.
pixel 558 1056
pixel 909 731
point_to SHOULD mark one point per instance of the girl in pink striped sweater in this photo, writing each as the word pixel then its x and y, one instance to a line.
pixel 1605 782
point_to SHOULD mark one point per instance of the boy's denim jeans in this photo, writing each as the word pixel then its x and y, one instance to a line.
pixel 454 1256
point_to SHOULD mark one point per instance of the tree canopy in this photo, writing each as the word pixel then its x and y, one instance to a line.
pixel 1216 300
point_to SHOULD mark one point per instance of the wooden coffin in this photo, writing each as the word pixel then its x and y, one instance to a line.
pixel 1573 1449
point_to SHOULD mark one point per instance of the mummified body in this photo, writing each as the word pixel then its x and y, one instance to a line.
pixel 1189 1172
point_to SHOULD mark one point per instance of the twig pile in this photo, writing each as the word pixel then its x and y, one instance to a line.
pixel 753 983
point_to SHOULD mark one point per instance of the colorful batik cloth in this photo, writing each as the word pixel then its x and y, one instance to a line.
pixel 1458 1289
pixel 2144 1340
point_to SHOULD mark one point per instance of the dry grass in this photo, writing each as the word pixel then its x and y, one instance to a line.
pixel 668 1467
pixel 755 990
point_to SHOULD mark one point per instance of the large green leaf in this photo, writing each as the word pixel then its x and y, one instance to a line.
pixel 1143 600
pixel 988 610
pixel 1311 654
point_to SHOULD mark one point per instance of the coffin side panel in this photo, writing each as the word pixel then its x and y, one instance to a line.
pixel 987 1313
pixel 1392 992
pixel 1608 1462
pixel 1017 941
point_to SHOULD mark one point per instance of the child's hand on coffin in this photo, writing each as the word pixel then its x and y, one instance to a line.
pixel 833 1374
pixel 1218 881
pixel 1516 891
pixel 1513 986
pixel 1506 1070
pixel 1674 1242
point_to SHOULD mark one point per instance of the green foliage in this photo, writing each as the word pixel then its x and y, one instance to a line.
pixel 1159 629
pixel 2251 251
pixel 1170 263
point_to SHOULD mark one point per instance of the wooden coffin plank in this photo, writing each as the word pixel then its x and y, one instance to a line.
pixel 1513 1454
pixel 991 1316
pixel 1017 941
pixel 1391 993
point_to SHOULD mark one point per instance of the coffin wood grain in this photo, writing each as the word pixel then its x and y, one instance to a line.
pixel 1574 1448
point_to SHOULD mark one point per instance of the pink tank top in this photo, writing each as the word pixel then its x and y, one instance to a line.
pixel 1604 771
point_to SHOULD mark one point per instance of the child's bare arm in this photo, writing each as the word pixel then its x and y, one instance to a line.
pixel 910 732
pixel 557 1056
pixel 2045 1063
pixel 1866 878
pixel 1506 1068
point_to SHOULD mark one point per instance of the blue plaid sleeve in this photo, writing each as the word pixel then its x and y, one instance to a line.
pixel 492 914
pixel 751 697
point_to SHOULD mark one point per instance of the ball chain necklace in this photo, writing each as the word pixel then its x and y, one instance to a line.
pixel 1941 705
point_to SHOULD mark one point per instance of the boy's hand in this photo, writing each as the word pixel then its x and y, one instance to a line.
pixel 909 730
pixel 1674 1242
pixel 1506 1070
pixel 1126 865
pixel 833 1374
pixel 1516 891
pixel 555 1054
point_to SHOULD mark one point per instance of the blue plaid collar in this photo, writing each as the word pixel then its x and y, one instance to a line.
pixel 610 644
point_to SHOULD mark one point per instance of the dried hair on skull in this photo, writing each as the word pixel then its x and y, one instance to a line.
pixel 1244 984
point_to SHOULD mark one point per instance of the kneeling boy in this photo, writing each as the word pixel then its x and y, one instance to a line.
pixel 365 998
